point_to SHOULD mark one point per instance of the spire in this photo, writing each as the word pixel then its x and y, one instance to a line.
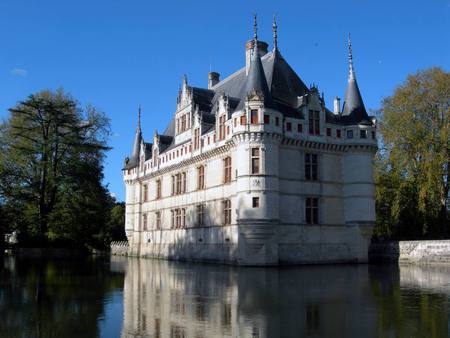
pixel 255 29
pixel 351 70
pixel 275 33
pixel 353 104
pixel 134 158
pixel 255 82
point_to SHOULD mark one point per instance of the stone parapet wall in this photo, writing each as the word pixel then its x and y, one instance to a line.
pixel 119 248
pixel 424 252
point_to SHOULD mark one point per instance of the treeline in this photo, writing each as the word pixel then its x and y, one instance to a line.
pixel 412 164
pixel 51 172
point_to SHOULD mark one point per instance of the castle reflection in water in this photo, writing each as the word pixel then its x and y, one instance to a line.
pixel 168 299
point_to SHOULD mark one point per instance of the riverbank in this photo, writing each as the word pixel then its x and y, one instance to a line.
pixel 411 252
pixel 52 252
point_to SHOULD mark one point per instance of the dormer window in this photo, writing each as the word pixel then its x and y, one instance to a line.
pixel 349 133
pixel 221 127
pixel 363 133
pixel 314 122
pixel 254 116
pixel 196 138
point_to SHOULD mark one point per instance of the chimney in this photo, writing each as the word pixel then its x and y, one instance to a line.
pixel 213 79
pixel 262 49
pixel 337 105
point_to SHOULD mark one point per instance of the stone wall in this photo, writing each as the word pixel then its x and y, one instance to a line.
pixel 119 248
pixel 411 252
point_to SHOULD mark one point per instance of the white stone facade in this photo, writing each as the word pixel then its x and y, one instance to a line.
pixel 271 208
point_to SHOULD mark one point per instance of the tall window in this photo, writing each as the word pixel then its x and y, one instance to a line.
pixel 178 214
pixel 363 133
pixel 314 122
pixel 201 177
pixel 183 123
pixel 196 138
pixel 221 127
pixel 174 186
pixel 200 214
pixel 183 218
pixel 311 166
pixel 158 189
pixel 227 170
pixel 158 220
pixel 243 120
pixel 173 218
pixel 312 210
pixel 254 116
pixel 144 221
pixel 266 119
pixel 183 183
pixel 145 193
pixel 289 126
pixel 227 212
pixel 255 161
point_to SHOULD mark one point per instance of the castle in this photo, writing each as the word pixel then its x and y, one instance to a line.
pixel 255 170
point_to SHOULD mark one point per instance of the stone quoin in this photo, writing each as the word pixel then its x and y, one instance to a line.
pixel 255 170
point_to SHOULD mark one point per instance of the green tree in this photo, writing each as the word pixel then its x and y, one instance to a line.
pixel 51 168
pixel 413 164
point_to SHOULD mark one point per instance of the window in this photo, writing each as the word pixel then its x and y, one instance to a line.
pixel 173 218
pixel 227 170
pixel 255 161
pixel 235 123
pixel 196 138
pixel 221 127
pixel 158 189
pixel 255 202
pixel 312 211
pixel 183 218
pixel 299 127
pixel 145 193
pixel 178 218
pixel 243 120
pixel 373 135
pixel 174 184
pixel 338 133
pixel 266 119
pixel 144 221
pixel 201 177
pixel 311 167
pixel 254 116
pixel 363 133
pixel 328 131
pixel 158 220
pixel 183 184
pixel 277 121
pixel 142 163
pixel 314 122
pixel 178 185
pixel 349 133
pixel 227 212
pixel 200 214
pixel 183 123
pixel 289 126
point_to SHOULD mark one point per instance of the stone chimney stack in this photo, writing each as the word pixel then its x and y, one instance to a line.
pixel 213 79
pixel 262 49
pixel 337 105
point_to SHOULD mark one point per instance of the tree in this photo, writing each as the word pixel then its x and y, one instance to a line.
pixel 51 167
pixel 413 164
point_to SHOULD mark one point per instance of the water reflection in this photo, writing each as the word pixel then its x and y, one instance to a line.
pixel 54 298
pixel 164 299
pixel 148 298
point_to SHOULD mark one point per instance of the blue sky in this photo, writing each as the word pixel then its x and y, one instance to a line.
pixel 116 54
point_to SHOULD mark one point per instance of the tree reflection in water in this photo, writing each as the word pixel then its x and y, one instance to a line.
pixel 69 298
pixel 54 298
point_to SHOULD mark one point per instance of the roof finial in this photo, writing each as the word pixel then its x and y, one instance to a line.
pixel 351 70
pixel 275 33
pixel 255 28
pixel 139 117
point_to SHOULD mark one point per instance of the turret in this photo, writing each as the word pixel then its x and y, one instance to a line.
pixel 353 108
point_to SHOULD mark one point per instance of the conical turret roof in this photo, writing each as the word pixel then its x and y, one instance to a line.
pixel 353 109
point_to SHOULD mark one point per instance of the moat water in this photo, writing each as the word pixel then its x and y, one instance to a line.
pixel 118 297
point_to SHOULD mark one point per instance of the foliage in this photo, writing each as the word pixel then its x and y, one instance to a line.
pixel 51 171
pixel 412 167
